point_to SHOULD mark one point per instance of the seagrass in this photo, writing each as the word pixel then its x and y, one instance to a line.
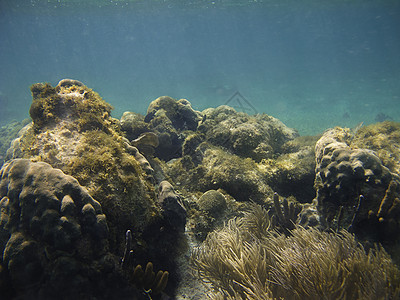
pixel 243 263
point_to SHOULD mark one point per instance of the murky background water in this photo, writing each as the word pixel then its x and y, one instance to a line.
pixel 312 64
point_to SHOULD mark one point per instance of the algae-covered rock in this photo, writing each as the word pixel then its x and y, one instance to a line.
pixel 70 100
pixel 238 176
pixel 133 124
pixel 384 139
pixel 169 119
pixel 53 235
pixel 292 172
pixel 179 112
pixel 257 137
pixel 72 130
pixel 352 184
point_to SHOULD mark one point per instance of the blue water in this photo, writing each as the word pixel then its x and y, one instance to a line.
pixel 312 64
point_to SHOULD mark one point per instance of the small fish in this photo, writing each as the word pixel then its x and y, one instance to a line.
pixel 357 128
pixel 147 138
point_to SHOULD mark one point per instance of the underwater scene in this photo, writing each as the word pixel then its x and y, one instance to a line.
pixel 160 149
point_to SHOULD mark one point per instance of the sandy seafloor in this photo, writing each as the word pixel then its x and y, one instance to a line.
pixel 313 65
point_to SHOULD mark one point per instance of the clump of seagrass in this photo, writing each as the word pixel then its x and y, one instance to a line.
pixel 307 264
pixel 148 281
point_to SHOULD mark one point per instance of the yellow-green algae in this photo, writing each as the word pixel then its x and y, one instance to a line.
pixel 384 139
pixel 73 130
pixel 48 106
pixel 113 176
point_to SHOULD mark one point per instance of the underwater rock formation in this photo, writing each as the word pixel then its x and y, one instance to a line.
pixel 173 210
pixel 179 112
pixel 256 137
pixel 72 130
pixel 169 119
pixel 147 142
pixel 384 139
pixel 352 185
pixel 292 173
pixel 219 169
pixel 53 235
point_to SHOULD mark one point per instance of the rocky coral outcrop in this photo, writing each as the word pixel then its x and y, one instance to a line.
pixel 384 139
pixel 73 130
pixel 257 137
pixel 173 210
pixel 238 176
pixel 169 119
pixel 351 185
pixel 292 173
pixel 53 235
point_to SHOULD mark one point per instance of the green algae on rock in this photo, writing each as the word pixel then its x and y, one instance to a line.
pixel 69 100
pixel 384 139
pixel 257 137
pixel 73 130
pixel 292 172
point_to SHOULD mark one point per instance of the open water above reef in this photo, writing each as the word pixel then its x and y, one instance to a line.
pixel 312 64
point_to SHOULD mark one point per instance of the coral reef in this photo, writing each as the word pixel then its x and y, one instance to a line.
pixel 169 119
pixel 343 173
pixel 53 235
pixel 273 214
pixel 73 130
pixel 292 173
pixel 247 260
pixel 358 188
pixel 256 137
